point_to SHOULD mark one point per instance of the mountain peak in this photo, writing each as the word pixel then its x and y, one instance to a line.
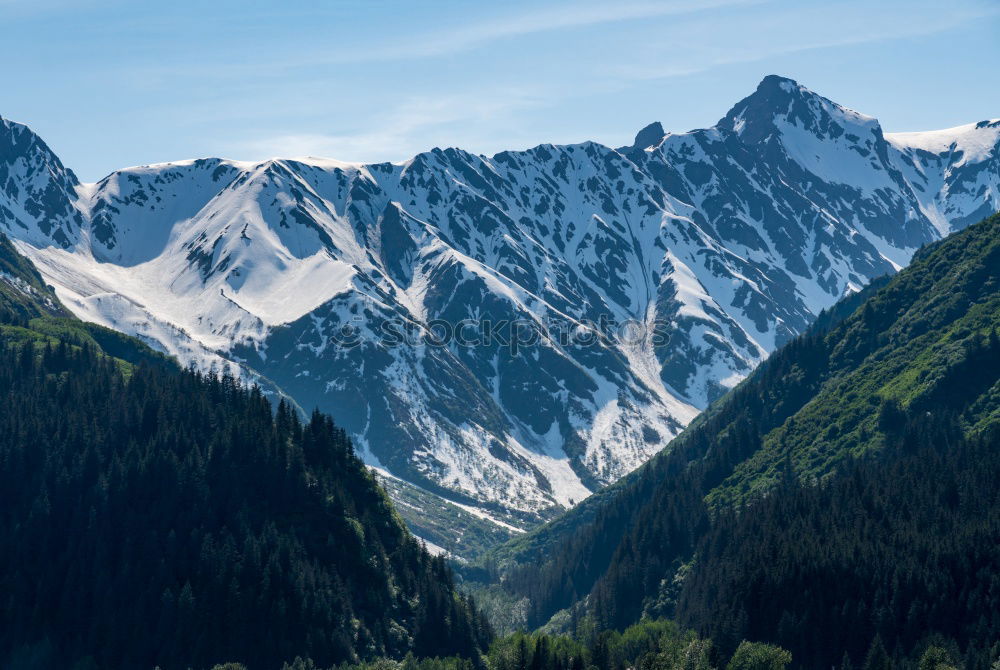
pixel 649 136
pixel 37 193
pixel 776 81
pixel 19 141
pixel 774 96
pixel 779 98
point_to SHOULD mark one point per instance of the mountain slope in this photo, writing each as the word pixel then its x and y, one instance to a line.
pixel 154 516
pixel 31 312
pixel 903 547
pixel 923 342
pixel 23 293
pixel 622 289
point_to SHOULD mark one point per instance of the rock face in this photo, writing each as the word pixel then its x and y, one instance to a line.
pixel 508 331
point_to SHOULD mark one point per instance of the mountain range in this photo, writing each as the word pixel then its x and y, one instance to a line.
pixel 641 282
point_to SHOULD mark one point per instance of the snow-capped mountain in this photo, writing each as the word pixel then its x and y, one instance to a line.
pixel 642 281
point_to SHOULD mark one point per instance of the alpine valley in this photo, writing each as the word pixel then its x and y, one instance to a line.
pixel 717 246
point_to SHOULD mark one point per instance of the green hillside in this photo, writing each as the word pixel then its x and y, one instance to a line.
pixel 902 548
pixel 926 342
pixel 921 342
pixel 23 293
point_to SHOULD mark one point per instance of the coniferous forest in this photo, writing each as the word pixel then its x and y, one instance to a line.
pixel 902 548
pixel 154 516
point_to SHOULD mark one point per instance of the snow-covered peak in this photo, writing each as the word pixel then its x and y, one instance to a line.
pixel 817 138
pixel 19 144
pixel 133 212
pixel 38 195
pixel 779 100
pixel 954 170
pixel 969 143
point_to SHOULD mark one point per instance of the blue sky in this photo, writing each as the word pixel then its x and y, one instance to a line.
pixel 111 84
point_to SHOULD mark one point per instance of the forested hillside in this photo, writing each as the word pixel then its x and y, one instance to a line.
pixel 903 548
pixel 23 294
pixel 916 353
pixel 154 516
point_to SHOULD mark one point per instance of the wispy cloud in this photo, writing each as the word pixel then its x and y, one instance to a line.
pixel 805 28
pixel 550 19
pixel 466 36
pixel 414 125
